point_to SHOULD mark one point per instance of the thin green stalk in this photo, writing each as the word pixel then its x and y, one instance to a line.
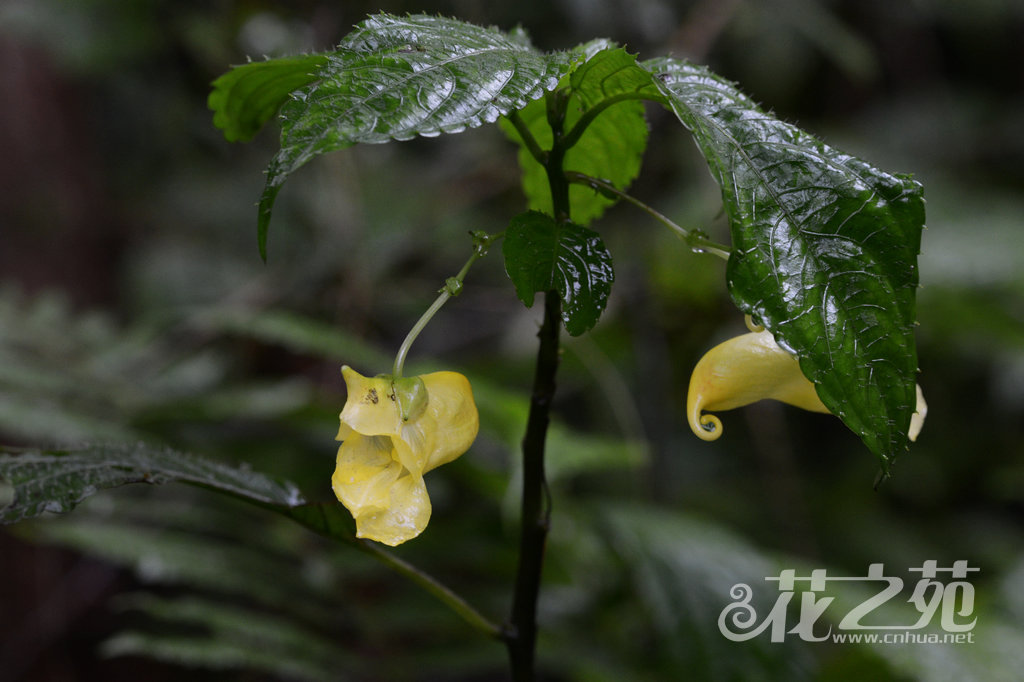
pixel 403 351
pixel 588 116
pixel 695 239
pixel 338 526
pixel 449 598
pixel 528 139
pixel 452 287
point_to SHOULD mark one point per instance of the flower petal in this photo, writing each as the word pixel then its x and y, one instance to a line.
pixel 415 443
pixel 445 429
pixel 380 464
pixel 366 469
pixel 917 419
pixel 753 367
pixel 371 408
pixel 742 371
pixel 452 407
pixel 406 516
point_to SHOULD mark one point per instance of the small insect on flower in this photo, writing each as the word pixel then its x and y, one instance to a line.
pixel 753 367
pixel 393 431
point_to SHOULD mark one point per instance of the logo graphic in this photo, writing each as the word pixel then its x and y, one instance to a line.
pixel 940 592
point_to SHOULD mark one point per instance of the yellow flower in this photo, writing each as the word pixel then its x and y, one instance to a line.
pixel 393 432
pixel 753 367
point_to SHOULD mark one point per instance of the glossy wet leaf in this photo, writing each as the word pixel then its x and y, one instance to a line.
pixel 612 145
pixel 56 481
pixel 246 97
pixel 542 255
pixel 824 251
pixel 394 78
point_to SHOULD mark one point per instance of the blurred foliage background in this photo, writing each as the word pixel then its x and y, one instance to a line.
pixel 133 306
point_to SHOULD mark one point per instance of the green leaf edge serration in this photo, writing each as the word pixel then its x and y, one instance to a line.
pixel 413 49
pixel 856 342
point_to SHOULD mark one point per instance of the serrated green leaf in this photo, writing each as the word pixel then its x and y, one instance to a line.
pixel 57 481
pixel 37 482
pixel 542 255
pixel 825 251
pixel 246 97
pixel 394 78
pixel 612 146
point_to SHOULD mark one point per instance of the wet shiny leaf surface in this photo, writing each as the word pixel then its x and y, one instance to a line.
pixel 542 255
pixel 825 251
pixel 245 98
pixel 56 481
pixel 394 78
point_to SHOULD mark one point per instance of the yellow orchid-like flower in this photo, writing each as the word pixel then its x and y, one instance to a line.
pixel 753 367
pixel 393 431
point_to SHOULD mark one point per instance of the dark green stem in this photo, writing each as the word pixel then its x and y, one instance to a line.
pixel 442 592
pixel 554 159
pixel 528 139
pixel 521 631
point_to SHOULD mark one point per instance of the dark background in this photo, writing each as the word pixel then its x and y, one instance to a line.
pixel 134 306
